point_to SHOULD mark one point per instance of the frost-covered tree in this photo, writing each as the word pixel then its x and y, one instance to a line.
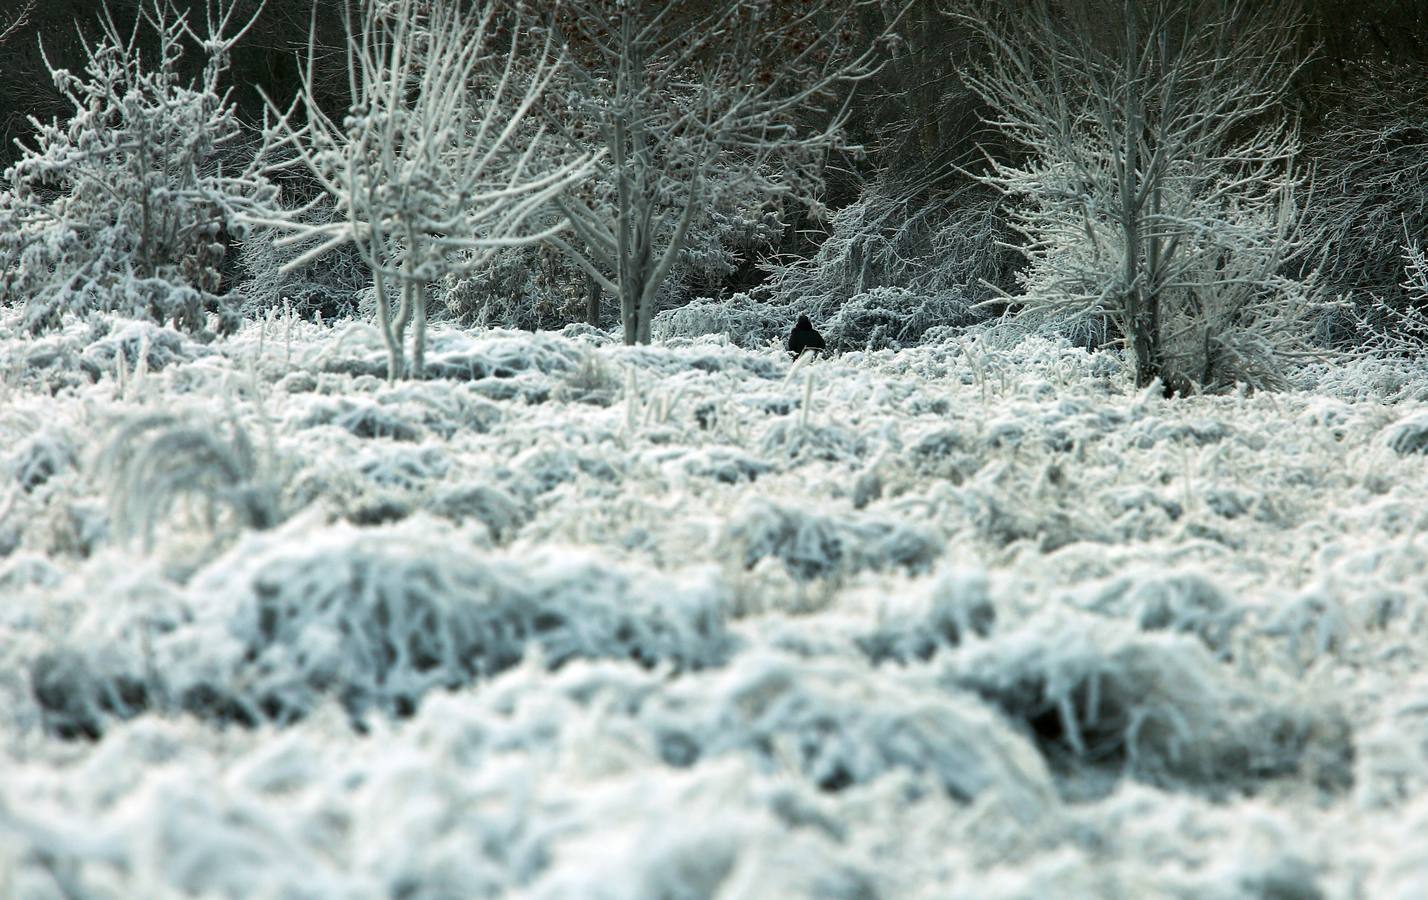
pixel 433 167
pixel 1159 184
pixel 125 206
pixel 540 287
pixel 692 104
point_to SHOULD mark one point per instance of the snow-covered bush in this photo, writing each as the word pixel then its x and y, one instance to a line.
pixel 725 243
pixel 128 204
pixel 894 317
pixel 1371 173
pixel 534 288
pixel 944 253
pixel 745 321
pixel 376 618
pixel 528 288
pixel 328 286
pixel 464 356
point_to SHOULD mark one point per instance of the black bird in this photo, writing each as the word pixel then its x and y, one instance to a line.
pixel 804 337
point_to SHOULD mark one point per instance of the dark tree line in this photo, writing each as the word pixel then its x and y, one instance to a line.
pixel 916 115
pixel 916 146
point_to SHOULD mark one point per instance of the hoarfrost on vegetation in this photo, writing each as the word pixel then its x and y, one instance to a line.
pixel 128 205
pixel 874 629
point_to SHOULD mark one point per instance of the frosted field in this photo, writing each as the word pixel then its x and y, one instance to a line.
pixel 974 619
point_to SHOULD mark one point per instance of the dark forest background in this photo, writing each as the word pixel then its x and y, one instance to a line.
pixel 1365 58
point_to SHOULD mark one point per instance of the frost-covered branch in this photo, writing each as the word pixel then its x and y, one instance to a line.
pixel 17 20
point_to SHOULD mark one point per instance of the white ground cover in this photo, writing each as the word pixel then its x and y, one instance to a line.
pixel 568 619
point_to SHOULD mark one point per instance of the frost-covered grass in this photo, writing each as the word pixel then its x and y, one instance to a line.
pixel 570 619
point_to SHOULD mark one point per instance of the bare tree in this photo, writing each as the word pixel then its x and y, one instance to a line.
pixel 1159 186
pixel 434 166
pixel 690 105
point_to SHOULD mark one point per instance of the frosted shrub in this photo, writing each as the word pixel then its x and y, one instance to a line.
pixel 1371 176
pixel 534 288
pixel 128 205
pixel 901 264
pixel 376 618
pixel 1157 705
pixel 893 317
pixel 463 356
pixel 528 288
pixel 723 245
pixel 812 546
pixel 745 321
pixel 328 286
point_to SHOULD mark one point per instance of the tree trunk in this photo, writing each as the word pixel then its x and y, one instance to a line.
pixel 384 325
pixel 419 333
pixel 1141 301
pixel 646 318
pixel 629 312
pixel 592 301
